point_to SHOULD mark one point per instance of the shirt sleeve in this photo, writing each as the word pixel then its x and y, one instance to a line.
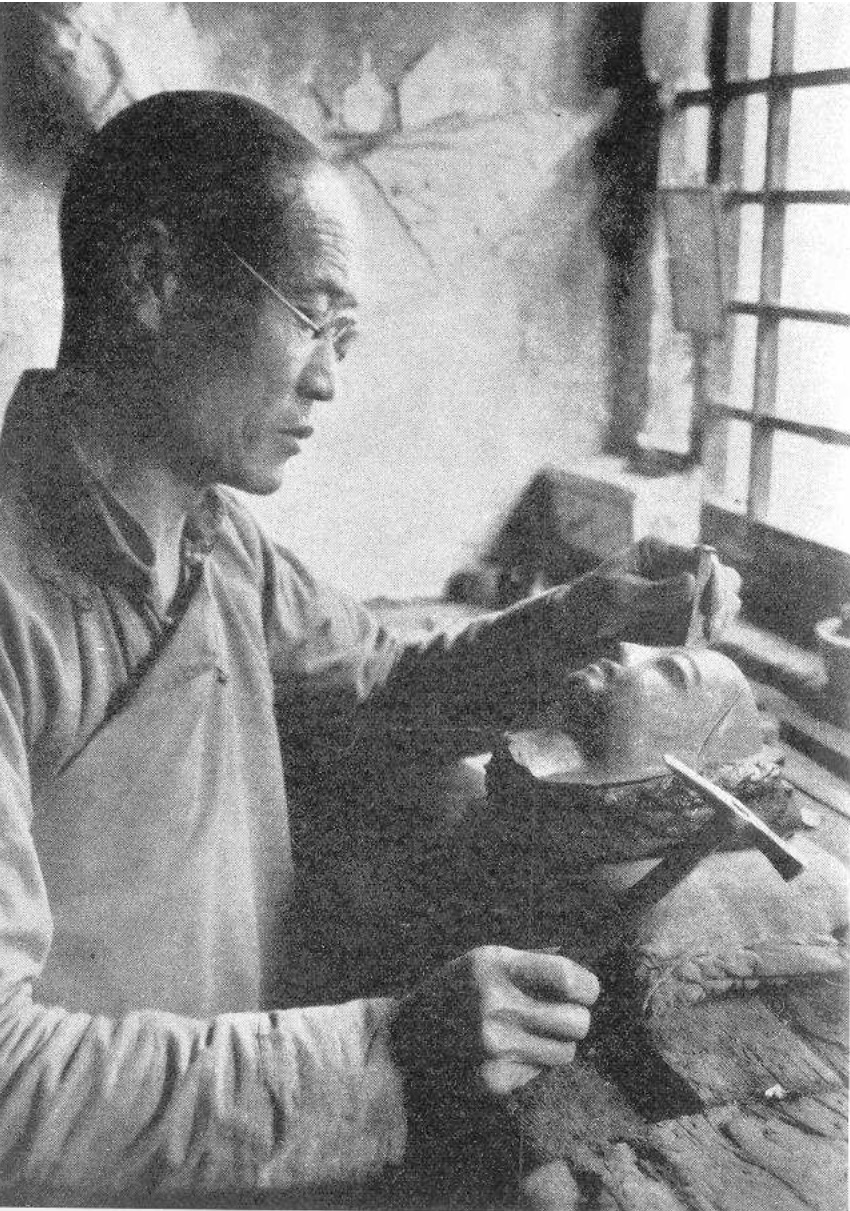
pixel 152 1104
pixel 340 676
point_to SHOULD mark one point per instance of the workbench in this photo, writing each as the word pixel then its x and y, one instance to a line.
pixel 738 1142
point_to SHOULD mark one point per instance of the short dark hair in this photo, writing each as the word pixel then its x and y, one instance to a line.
pixel 199 161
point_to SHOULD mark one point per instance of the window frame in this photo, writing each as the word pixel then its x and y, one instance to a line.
pixel 791 581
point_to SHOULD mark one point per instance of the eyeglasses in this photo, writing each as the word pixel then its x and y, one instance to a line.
pixel 339 330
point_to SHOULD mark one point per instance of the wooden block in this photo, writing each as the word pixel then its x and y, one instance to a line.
pixel 823 741
pixel 735 1050
pixel 816 781
pixel 730 1159
pixel 819 1013
pixel 823 1113
pixel 626 1182
pixel 788 1156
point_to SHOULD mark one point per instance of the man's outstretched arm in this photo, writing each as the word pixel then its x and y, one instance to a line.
pixel 452 694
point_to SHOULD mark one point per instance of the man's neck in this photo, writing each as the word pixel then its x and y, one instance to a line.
pixel 159 504
pixel 148 490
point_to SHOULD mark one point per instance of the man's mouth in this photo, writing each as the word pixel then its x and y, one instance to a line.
pixel 299 431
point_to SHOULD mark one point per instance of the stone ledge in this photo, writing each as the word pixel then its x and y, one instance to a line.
pixel 667 506
pixel 792 687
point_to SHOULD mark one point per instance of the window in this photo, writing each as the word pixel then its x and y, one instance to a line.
pixel 774 126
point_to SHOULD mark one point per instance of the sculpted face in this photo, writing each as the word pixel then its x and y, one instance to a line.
pixel 245 373
pixel 623 714
pixel 640 672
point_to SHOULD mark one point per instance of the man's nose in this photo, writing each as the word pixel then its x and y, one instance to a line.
pixel 318 378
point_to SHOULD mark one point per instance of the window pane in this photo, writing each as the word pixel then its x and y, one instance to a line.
pixel 755 142
pixel 819 138
pixel 810 490
pixel 742 375
pixel 760 42
pixel 821 36
pixel 727 464
pixel 813 374
pixel 816 269
pixel 745 142
pixel 732 143
pixel 684 147
pixel 746 287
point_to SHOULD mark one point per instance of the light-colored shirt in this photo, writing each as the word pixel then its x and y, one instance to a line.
pixel 145 867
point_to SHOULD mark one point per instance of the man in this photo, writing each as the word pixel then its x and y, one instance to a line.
pixel 150 632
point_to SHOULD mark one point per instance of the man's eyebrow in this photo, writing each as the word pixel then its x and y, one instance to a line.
pixel 325 285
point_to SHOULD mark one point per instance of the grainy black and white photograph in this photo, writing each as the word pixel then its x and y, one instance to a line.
pixel 425 605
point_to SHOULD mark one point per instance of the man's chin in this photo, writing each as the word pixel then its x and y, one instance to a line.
pixel 253 479
pixel 259 483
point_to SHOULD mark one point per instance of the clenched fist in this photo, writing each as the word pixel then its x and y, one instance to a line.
pixel 495 1018
pixel 650 591
pixel 647 594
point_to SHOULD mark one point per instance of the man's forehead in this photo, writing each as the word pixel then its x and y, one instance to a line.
pixel 325 192
pixel 321 234
pixel 319 239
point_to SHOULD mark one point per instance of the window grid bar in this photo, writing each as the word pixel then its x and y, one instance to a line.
pixel 821 433
pixel 781 81
pixel 776 82
pixel 721 20
pixel 774 198
pixel 791 197
pixel 716 428
pixel 780 312
pixel 770 283
pixel 738 44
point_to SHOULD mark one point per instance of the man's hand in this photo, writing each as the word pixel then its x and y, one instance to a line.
pixel 720 602
pixel 647 595
pixel 495 1018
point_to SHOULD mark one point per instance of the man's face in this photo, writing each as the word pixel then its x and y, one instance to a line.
pixel 245 373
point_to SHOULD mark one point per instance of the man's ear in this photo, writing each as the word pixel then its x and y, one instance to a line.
pixel 150 271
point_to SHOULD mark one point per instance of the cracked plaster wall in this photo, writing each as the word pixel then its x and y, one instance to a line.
pixel 484 345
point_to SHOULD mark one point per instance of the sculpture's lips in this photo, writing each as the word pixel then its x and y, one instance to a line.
pixel 300 431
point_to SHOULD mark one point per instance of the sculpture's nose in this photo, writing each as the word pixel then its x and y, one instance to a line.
pixel 632 654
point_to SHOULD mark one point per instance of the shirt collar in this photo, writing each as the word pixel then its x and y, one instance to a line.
pixel 75 507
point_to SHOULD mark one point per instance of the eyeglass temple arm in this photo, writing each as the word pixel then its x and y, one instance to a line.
pixel 296 311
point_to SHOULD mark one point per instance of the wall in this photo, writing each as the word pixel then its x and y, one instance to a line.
pixel 484 334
